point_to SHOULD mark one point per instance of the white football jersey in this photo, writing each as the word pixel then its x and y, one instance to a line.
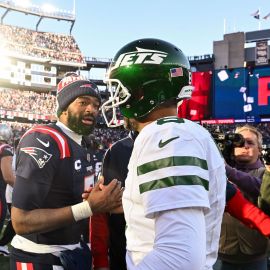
pixel 174 164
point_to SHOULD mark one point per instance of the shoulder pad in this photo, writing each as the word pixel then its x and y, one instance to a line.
pixel 59 138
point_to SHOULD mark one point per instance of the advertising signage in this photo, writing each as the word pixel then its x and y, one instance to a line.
pixel 261 53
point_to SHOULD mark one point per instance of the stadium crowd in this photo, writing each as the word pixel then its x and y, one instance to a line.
pixel 59 47
pixel 27 101
pixel 105 137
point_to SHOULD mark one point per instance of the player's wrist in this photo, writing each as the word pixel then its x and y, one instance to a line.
pixel 81 210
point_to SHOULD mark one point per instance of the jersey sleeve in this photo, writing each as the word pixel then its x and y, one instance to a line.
pixel 36 161
pixel 172 170
pixel 6 151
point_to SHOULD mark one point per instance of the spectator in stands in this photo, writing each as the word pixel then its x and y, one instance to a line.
pixel 239 245
pixel 6 174
pixel 50 179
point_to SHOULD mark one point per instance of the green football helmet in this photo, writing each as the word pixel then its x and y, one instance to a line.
pixel 144 74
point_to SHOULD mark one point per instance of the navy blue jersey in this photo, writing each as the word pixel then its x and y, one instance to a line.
pixel 5 151
pixel 115 166
pixel 52 171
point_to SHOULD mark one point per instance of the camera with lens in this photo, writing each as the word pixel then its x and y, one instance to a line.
pixel 266 153
pixel 226 144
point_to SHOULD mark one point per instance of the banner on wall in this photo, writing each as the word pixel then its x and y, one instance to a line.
pixel 261 53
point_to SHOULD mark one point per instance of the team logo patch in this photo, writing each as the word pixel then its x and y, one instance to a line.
pixel 68 80
pixel 140 56
pixel 39 155
pixel 46 144
pixel 163 143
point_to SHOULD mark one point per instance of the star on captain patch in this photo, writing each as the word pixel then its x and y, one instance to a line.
pixel 39 155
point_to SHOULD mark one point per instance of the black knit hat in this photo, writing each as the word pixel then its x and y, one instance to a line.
pixel 71 87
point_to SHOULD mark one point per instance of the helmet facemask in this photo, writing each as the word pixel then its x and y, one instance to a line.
pixel 110 109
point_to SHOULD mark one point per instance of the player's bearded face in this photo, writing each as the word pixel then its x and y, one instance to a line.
pixel 77 124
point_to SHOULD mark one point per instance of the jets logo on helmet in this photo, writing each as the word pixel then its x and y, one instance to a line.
pixel 141 56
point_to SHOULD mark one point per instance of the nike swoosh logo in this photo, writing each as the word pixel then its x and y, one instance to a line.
pixel 162 144
pixel 46 144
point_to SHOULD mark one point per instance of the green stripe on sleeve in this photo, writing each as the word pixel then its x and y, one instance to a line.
pixel 174 181
pixel 170 162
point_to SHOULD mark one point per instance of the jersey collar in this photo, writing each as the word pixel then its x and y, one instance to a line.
pixel 70 133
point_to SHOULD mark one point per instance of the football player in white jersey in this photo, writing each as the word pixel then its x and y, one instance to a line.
pixel 175 189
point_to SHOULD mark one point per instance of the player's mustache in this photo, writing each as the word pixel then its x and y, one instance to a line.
pixel 89 116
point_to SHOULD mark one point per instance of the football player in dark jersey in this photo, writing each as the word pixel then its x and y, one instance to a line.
pixel 6 173
pixel 108 230
pixel 52 172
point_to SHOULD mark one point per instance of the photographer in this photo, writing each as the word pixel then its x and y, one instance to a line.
pixel 241 246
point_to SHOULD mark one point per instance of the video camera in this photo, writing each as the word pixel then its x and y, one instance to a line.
pixel 226 144
pixel 266 153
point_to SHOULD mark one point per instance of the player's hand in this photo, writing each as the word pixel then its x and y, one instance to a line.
pixel 86 193
pixel 104 198
pixel 118 210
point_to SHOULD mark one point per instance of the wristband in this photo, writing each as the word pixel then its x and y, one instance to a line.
pixel 81 210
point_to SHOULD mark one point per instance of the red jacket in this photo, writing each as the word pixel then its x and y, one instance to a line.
pixel 242 209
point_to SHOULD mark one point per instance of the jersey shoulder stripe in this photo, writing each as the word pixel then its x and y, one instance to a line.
pixel 174 181
pixel 170 162
pixel 56 135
